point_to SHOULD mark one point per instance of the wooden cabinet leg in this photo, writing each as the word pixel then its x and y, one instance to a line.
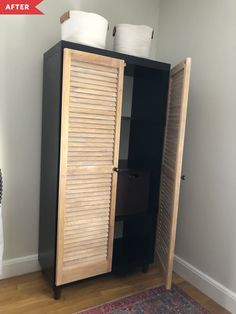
pixel 57 293
pixel 145 268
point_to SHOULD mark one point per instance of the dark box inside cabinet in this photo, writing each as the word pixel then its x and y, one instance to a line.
pixel 132 192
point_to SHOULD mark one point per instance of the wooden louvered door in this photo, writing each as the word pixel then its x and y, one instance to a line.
pixel 171 167
pixel 90 131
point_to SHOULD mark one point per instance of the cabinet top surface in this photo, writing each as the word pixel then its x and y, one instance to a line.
pixel 130 60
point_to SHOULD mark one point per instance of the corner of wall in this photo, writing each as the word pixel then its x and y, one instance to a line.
pixel 206 284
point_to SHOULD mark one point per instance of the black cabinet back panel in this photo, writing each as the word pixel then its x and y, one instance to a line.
pixel 150 93
pixel 147 125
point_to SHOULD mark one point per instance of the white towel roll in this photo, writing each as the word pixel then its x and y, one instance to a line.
pixel 85 28
pixel 133 39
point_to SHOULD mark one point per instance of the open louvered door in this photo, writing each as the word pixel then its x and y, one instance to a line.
pixel 171 167
pixel 90 131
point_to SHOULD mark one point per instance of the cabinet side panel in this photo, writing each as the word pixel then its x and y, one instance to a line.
pixel 50 162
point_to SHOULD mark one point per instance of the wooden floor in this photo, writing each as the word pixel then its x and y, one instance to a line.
pixel 31 293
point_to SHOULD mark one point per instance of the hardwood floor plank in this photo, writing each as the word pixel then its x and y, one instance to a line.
pixel 31 294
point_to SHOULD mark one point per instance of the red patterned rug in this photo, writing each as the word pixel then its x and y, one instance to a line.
pixel 152 301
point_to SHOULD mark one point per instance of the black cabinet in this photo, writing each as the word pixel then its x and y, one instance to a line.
pixel 102 161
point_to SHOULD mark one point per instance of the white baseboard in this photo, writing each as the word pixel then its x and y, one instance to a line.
pixel 206 284
pixel 19 266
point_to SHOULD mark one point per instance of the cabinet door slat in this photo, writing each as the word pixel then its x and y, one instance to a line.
pixel 97 67
pixel 93 85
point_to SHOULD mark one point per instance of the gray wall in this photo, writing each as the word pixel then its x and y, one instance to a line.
pixel 24 39
pixel 205 30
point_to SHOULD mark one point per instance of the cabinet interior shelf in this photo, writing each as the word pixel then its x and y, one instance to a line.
pixel 126 118
pixel 130 216
pixel 147 119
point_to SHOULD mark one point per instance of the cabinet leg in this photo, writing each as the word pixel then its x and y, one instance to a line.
pixel 145 268
pixel 57 293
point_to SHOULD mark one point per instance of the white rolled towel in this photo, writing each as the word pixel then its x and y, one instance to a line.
pixel 84 28
pixel 133 39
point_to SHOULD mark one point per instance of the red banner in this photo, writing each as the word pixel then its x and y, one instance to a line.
pixel 21 7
